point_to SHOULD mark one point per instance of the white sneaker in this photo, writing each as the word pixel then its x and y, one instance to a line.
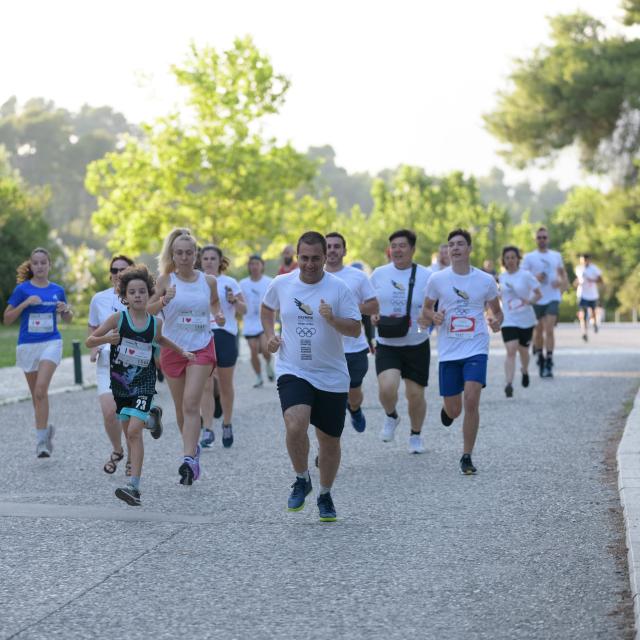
pixel 42 450
pixel 416 444
pixel 389 428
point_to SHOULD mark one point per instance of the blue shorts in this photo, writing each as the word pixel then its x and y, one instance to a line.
pixel 358 365
pixel 589 304
pixel 226 348
pixel 454 373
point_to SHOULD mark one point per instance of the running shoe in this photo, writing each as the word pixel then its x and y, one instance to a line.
pixel 42 450
pixel 585 337
pixel 466 466
pixel 548 368
pixel 189 470
pixel 525 379
pixel 416 444
pixel 155 422
pixel 258 383
pixel 358 421
pixel 541 364
pixel 217 410
pixel 207 438
pixel 51 432
pixel 270 374
pixel 227 435
pixel 389 428
pixel 300 489
pixel 326 508
pixel 129 494
pixel 508 390
pixel 595 328
pixel 445 419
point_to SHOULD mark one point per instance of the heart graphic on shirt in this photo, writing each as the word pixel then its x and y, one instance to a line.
pixel 187 319
pixel 132 350
pixel 37 322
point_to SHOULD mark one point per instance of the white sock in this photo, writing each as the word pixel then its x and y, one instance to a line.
pixel 324 489
pixel 305 475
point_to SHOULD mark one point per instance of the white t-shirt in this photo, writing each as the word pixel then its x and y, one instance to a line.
pixel 253 291
pixel 392 288
pixel 104 304
pixel 462 298
pixel 546 263
pixel 516 289
pixel 312 349
pixel 587 285
pixel 361 288
pixel 228 309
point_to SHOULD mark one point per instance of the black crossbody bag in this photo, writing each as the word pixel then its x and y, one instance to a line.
pixel 398 326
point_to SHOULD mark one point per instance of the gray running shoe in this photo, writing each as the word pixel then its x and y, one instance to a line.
pixel 42 450
pixel 155 422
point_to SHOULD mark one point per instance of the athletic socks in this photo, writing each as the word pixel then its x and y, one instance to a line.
pixel 304 475
pixel 354 411
pixel 324 490
pixel 415 433
pixel 134 481
pixel 42 434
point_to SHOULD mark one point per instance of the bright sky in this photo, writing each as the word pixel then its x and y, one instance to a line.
pixel 383 83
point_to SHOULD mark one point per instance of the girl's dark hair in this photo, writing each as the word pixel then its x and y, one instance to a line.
pixel 224 261
pixel 127 259
pixel 23 272
pixel 135 272
pixel 511 247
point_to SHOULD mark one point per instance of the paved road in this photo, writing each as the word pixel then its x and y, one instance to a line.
pixel 529 548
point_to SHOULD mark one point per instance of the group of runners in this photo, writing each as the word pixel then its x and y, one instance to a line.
pixel 184 324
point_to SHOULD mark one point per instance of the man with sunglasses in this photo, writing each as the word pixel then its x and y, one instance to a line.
pixel 548 268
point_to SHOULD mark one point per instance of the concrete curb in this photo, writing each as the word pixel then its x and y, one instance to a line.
pixel 52 392
pixel 628 458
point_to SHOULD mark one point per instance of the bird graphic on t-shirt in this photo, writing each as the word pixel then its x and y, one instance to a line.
pixel 463 294
pixel 398 285
pixel 305 308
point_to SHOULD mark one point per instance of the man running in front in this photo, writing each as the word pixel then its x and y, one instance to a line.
pixel 463 340
pixel 547 266
pixel 356 350
pixel 316 310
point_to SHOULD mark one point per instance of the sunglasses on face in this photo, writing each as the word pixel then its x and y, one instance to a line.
pixel 115 271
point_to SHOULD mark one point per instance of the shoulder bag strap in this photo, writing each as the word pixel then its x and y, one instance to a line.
pixel 412 281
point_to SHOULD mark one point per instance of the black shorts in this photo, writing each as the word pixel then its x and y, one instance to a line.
pixel 226 347
pixel 523 336
pixel 133 407
pixel 358 365
pixel 254 336
pixel 328 409
pixel 588 304
pixel 412 361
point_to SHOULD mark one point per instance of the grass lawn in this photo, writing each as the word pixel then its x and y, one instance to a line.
pixel 70 332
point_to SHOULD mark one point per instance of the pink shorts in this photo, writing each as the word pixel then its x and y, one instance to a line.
pixel 174 365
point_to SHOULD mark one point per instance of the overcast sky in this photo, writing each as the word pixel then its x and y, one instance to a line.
pixel 384 83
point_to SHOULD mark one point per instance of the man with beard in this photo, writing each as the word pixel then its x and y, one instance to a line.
pixel 288 263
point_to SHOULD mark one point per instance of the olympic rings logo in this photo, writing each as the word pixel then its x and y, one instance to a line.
pixel 305 332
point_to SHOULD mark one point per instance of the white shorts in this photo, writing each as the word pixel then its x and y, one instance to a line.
pixel 103 378
pixel 29 355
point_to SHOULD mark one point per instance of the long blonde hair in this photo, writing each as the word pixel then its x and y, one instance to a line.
pixel 165 259
pixel 24 272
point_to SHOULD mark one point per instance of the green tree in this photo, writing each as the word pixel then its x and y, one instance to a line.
pixel 211 169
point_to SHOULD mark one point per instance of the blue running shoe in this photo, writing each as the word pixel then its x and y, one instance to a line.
pixel 358 421
pixel 227 435
pixel 207 439
pixel 326 508
pixel 300 489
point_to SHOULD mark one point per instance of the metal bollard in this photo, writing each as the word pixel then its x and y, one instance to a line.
pixel 77 362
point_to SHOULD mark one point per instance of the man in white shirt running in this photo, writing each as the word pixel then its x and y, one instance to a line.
pixel 548 268
pixel 462 292
pixel 405 355
pixel 588 277
pixel 356 350
pixel 316 310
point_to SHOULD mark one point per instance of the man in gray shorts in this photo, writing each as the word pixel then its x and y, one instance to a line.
pixel 548 268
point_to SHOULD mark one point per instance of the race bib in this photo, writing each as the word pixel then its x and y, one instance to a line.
pixel 40 323
pixel 193 321
pixel 462 327
pixel 135 354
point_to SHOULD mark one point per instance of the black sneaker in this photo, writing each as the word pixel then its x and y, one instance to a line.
pixel 445 419
pixel 541 364
pixel 130 495
pixel 326 508
pixel 300 489
pixel 227 435
pixel 508 390
pixel 217 411
pixel 155 422
pixel 466 466
pixel 585 337
pixel 525 379
pixel 548 368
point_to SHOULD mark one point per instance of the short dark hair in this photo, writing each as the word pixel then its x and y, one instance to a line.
pixel 404 233
pixel 312 237
pixel 127 259
pixel 335 234
pixel 135 272
pixel 586 256
pixel 460 232
pixel 511 247
pixel 255 256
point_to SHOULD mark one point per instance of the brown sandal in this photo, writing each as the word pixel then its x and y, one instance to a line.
pixel 127 469
pixel 112 463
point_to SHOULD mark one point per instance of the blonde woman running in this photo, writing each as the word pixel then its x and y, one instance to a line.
pixel 37 302
pixel 186 298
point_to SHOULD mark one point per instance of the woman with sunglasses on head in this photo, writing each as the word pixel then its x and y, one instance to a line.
pixel 187 298
pixel 214 263
pixel 37 302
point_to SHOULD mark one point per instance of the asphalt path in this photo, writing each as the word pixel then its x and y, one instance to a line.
pixel 528 548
